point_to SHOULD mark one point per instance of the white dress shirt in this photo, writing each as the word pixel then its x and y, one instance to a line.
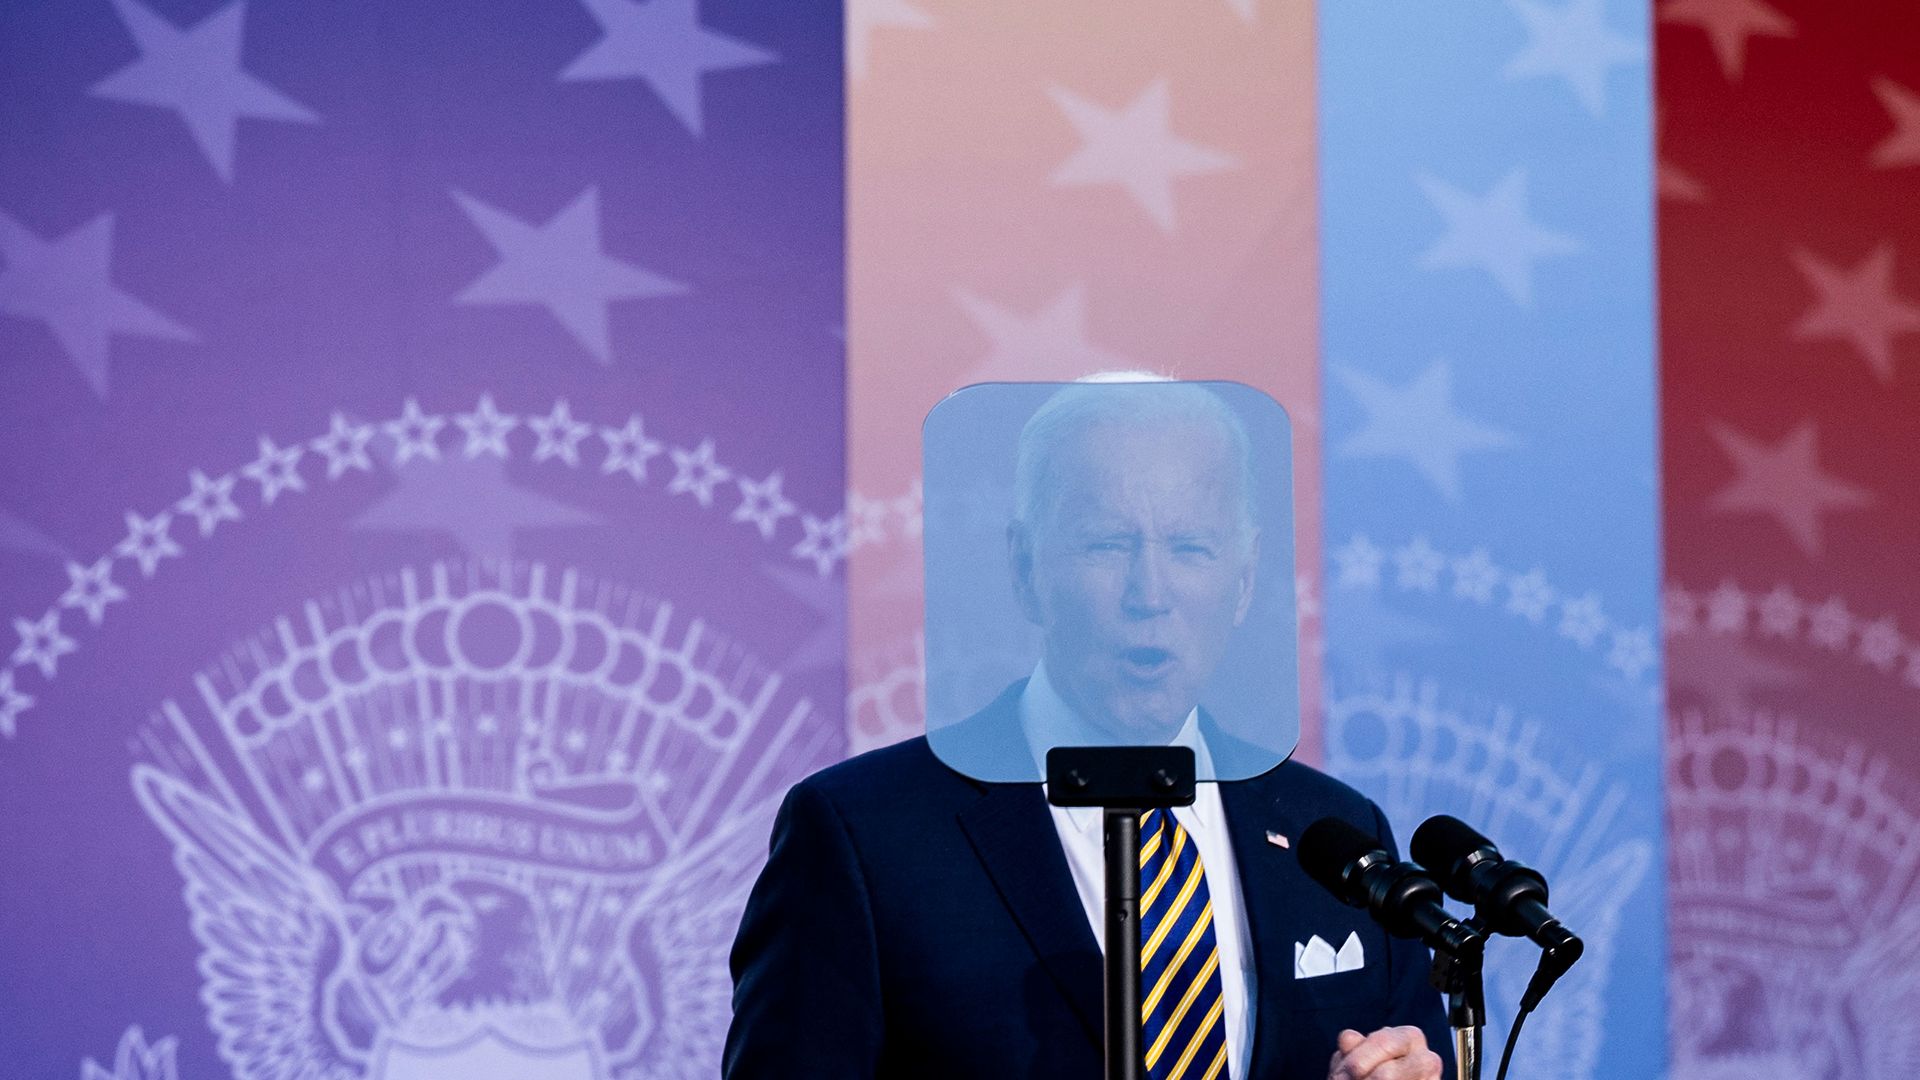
pixel 1049 721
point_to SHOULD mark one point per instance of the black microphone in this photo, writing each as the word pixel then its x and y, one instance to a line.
pixel 1508 898
pixel 1352 866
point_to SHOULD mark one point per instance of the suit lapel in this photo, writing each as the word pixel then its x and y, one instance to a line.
pixel 1013 834
pixel 1268 873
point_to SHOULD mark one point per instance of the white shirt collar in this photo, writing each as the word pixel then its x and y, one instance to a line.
pixel 1048 721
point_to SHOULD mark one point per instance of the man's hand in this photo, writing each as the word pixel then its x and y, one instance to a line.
pixel 1398 1053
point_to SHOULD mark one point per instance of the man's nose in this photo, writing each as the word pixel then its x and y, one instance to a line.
pixel 1146 592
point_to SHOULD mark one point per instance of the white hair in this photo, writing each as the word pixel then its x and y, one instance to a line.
pixel 1074 408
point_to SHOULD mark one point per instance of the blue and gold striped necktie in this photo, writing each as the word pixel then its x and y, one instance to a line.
pixel 1182 1010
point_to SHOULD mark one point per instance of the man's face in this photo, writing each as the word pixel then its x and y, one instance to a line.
pixel 1138 572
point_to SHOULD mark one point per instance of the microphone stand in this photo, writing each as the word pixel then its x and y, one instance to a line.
pixel 1459 977
pixel 1125 782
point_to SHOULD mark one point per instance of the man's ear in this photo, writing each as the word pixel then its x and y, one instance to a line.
pixel 1020 566
pixel 1247 576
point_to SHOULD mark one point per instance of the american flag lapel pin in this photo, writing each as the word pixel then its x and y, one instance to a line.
pixel 1278 840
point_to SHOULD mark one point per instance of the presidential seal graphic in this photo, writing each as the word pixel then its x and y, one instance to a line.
pixel 479 822
pixel 1406 746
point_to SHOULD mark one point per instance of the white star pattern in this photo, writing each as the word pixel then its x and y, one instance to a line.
pixel 1417 423
pixel 1728 25
pixel 866 16
pixel 1134 148
pixel 1581 621
pixel 762 504
pixel 1881 643
pixel 41 642
pixel 696 473
pixel 67 284
pixel 1573 42
pixel 1902 146
pixel 1529 595
pixel 1419 566
pixel 1857 306
pixel 662 43
pixel 1780 612
pixel 1494 232
pixel 1632 653
pixel 1727 609
pixel 210 502
pixel 197 74
pixel 1475 576
pixel 825 542
pixel 1785 482
pixel 12 704
pixel 1679 611
pixel 277 469
pixel 1831 624
pixel 629 449
pixel 1048 346
pixel 147 541
pixel 91 589
pixel 559 434
pixel 414 433
pixel 486 429
pixel 560 266
pixel 1359 563
pixel 866 521
pixel 345 446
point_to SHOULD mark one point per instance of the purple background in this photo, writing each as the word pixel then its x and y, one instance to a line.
pixel 322 277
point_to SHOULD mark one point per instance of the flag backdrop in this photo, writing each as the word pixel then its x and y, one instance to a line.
pixel 425 431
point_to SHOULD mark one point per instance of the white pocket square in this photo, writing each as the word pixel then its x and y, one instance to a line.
pixel 1317 958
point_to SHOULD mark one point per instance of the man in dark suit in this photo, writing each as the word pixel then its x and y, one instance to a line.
pixel 914 922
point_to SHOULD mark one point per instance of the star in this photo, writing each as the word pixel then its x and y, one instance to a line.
pixel 1133 147
pixel 696 473
pixel 1050 345
pixel 91 589
pixel 1902 147
pixel 1780 612
pixel 560 265
pixel 1679 611
pixel 559 434
pixel 866 520
pixel 210 502
pixel 1418 423
pixel 1492 233
pixel 1729 23
pixel 1359 561
pixel 826 601
pixel 1419 566
pixel 147 541
pixel 825 542
pixel 1858 306
pixel 762 504
pixel 197 73
pixel 66 283
pixel 1574 43
pixel 414 434
pixel 1830 624
pixel 662 43
pixel 1784 481
pixel 629 449
pixel 486 429
pixel 1632 653
pixel 1581 620
pixel 275 470
pixel 1529 595
pixel 345 446
pixel 866 16
pixel 473 501
pixel 41 642
pixel 1727 609
pixel 12 704
pixel 1881 643
pixel 1475 576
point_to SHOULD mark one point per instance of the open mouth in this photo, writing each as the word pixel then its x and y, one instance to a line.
pixel 1146 661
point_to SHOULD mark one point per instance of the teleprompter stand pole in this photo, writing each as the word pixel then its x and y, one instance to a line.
pixel 1126 782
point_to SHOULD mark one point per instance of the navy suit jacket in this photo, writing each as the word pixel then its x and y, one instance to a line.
pixel 912 922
